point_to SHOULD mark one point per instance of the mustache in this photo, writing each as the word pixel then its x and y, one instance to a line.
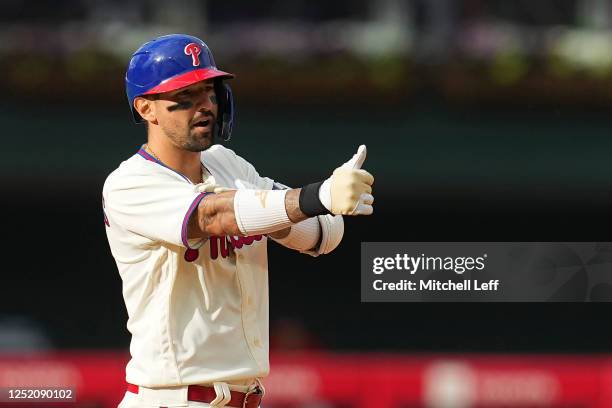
pixel 205 115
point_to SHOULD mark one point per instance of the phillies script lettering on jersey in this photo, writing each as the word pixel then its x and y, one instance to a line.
pixel 221 244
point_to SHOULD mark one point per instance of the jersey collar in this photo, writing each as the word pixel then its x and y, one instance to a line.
pixel 148 157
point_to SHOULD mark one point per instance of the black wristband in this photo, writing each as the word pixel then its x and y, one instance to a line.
pixel 309 200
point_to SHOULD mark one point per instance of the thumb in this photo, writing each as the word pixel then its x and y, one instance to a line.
pixel 358 158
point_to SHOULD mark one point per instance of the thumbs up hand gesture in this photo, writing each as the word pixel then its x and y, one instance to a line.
pixel 349 190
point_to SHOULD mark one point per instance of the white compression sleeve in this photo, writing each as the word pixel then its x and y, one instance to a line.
pixel 260 211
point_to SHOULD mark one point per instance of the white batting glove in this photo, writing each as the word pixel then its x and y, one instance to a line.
pixel 349 190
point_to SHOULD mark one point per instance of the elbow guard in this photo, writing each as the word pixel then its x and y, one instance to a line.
pixel 332 231
pixel 304 235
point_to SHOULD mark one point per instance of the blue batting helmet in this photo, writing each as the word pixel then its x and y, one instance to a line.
pixel 175 61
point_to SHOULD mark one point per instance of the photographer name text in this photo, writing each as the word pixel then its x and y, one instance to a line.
pixel 437 285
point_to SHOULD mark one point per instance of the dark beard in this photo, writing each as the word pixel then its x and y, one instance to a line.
pixel 200 144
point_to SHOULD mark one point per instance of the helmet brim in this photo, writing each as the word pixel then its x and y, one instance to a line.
pixel 188 78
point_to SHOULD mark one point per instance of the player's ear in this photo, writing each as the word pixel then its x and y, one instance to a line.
pixel 146 109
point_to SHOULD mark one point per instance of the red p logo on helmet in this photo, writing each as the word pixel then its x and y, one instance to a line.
pixel 194 50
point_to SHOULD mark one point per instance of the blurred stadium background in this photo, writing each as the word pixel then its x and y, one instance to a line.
pixel 484 120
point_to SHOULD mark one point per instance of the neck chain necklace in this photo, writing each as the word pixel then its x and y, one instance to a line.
pixel 148 149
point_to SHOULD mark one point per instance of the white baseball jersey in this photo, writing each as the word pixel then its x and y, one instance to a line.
pixel 196 315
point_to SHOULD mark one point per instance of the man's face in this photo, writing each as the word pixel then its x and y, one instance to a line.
pixel 188 115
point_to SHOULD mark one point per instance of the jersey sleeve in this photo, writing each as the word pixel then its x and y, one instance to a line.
pixel 263 183
pixel 158 208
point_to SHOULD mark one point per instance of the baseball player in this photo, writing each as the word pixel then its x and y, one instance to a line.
pixel 188 222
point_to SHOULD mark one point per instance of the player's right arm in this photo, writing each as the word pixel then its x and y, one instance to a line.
pixel 250 212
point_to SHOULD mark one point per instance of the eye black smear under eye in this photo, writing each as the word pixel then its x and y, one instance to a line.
pixel 180 106
pixel 213 99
